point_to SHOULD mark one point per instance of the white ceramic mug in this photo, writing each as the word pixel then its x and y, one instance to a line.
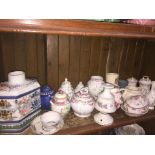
pixel 112 78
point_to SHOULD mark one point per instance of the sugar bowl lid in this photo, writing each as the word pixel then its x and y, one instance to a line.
pixel 145 80
pixel 137 102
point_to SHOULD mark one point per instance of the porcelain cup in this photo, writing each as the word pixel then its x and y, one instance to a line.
pixel 49 120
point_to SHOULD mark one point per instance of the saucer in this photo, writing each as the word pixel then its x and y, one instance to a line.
pixel 37 127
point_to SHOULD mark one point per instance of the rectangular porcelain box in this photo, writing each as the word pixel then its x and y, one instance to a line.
pixel 18 105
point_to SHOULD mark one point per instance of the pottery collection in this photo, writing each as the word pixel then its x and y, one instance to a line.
pixel 21 101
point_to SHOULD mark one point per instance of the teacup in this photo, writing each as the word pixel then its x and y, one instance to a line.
pixel 49 120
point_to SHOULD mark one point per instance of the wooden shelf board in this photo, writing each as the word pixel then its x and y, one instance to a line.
pixel 77 27
pixel 78 126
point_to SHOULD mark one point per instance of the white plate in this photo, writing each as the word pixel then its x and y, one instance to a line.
pixel 37 128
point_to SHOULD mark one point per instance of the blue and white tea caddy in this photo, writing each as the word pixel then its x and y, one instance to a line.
pixel 19 102
pixel 47 95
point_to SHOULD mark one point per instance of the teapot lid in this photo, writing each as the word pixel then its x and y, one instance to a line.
pixel 132 79
pixel 145 80
pixel 60 95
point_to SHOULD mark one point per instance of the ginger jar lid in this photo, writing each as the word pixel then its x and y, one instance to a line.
pixel 145 80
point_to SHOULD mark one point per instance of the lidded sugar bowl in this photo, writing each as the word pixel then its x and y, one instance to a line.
pixel 82 103
pixel 95 85
pixel 67 88
pixel 145 84
pixel 60 103
pixel 105 104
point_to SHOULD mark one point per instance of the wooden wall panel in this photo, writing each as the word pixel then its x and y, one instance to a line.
pixel 74 59
pixel 148 65
pixel 85 59
pixel 52 61
pixel 63 58
pixel 79 57
pixel 25 52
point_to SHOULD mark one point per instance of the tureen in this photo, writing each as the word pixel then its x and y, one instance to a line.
pixel 60 103
pixel 95 85
pixel 82 103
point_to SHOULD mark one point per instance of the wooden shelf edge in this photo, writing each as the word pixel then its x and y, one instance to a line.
pixel 77 27
pixel 94 128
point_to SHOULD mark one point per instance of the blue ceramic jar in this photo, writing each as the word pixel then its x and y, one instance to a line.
pixel 46 95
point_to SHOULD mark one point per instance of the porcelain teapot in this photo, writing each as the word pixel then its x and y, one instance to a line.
pixel 130 91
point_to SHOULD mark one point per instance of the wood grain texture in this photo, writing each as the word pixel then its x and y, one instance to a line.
pixel 52 61
pixel 74 125
pixel 77 27
pixel 63 58
pixel 85 59
pixel 149 60
pixel 24 52
pixel 74 59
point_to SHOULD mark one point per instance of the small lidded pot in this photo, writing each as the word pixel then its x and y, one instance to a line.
pixel 95 85
pixel 145 85
pixel 67 88
pixel 60 103
pixel 82 103
pixel 132 82
pixel 47 95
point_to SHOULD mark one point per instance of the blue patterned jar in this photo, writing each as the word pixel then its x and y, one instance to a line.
pixel 46 95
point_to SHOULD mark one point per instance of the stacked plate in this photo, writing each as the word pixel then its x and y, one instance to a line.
pixel 136 106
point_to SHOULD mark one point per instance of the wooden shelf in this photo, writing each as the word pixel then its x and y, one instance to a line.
pixel 78 126
pixel 78 27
